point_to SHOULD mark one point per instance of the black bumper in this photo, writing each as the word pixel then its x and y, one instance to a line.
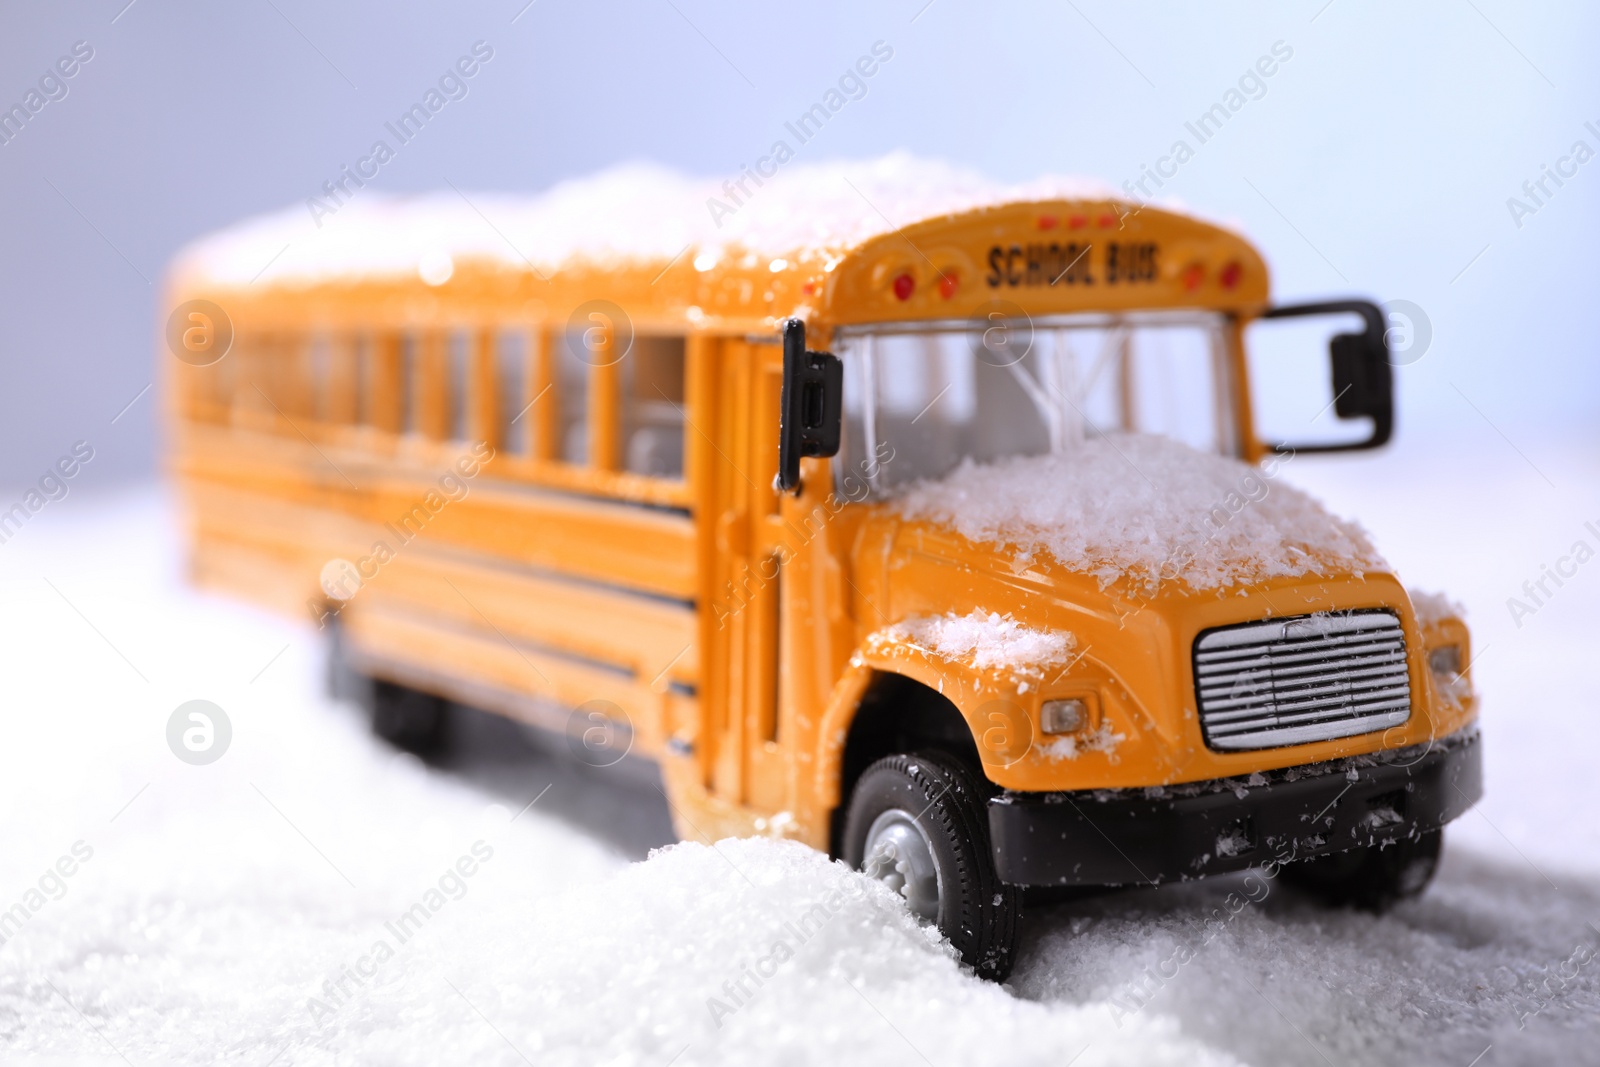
pixel 1128 836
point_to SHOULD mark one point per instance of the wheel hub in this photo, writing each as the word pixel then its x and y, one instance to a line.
pixel 899 854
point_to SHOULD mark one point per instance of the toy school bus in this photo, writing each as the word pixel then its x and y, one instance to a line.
pixel 952 550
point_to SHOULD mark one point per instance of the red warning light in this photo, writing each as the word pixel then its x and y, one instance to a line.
pixel 949 282
pixel 1230 274
pixel 1107 220
pixel 1193 275
pixel 904 285
pixel 1077 222
pixel 1048 222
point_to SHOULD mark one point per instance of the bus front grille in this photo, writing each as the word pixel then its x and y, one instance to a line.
pixel 1309 678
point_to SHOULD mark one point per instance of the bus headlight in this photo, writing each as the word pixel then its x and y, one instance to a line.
pixel 1445 661
pixel 1063 716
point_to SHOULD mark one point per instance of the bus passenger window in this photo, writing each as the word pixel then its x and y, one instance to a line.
pixel 652 407
pixel 225 387
pixel 511 351
pixel 336 363
pixel 361 351
pixel 573 363
pixel 319 378
pixel 457 364
pixel 282 378
pixel 410 367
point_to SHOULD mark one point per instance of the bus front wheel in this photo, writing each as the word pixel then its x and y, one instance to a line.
pixel 919 824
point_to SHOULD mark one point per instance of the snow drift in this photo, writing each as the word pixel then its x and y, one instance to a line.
pixel 211 912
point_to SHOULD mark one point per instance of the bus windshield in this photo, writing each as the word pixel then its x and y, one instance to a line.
pixel 933 395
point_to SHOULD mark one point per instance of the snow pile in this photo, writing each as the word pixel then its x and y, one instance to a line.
pixel 759 951
pixel 211 912
pixel 1434 608
pixel 630 213
pixel 985 640
pixel 1145 509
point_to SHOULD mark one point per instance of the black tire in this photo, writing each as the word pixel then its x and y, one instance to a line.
pixel 1372 878
pixel 408 718
pixel 944 800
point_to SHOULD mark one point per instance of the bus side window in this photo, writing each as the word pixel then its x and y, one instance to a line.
pixel 573 364
pixel 281 380
pixel 336 378
pixel 361 351
pixel 652 395
pixel 458 353
pixel 410 368
pixel 224 382
pixel 512 352
pixel 318 366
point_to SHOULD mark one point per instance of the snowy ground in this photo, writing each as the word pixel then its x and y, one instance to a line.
pixel 217 900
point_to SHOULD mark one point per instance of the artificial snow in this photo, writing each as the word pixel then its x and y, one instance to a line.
pixel 1101 739
pixel 1146 509
pixel 632 213
pixel 985 640
pixel 1433 608
pixel 215 905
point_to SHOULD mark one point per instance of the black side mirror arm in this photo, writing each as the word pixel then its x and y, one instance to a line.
pixel 1363 378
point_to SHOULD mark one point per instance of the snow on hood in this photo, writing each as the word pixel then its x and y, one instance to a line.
pixel 1147 509
pixel 633 212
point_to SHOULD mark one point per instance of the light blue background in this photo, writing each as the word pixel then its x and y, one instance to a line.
pixel 1378 162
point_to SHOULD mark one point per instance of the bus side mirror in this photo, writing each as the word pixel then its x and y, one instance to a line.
pixel 1363 380
pixel 811 408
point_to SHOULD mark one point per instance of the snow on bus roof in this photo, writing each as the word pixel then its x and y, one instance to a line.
pixel 1147 509
pixel 633 213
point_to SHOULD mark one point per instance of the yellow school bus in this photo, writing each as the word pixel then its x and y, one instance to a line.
pixel 948 546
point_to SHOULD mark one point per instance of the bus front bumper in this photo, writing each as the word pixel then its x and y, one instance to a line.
pixel 1131 836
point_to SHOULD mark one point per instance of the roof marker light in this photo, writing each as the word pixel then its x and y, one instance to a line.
pixel 1048 222
pixel 1107 220
pixel 949 282
pixel 1193 275
pixel 1077 222
pixel 778 266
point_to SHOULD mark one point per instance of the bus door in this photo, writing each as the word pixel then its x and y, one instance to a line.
pixel 746 765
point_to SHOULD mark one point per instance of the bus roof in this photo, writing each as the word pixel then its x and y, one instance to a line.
pixel 748 249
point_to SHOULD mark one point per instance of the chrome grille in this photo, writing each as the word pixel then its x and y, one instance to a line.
pixel 1310 678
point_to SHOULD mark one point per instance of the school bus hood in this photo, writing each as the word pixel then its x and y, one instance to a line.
pixel 1000 629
